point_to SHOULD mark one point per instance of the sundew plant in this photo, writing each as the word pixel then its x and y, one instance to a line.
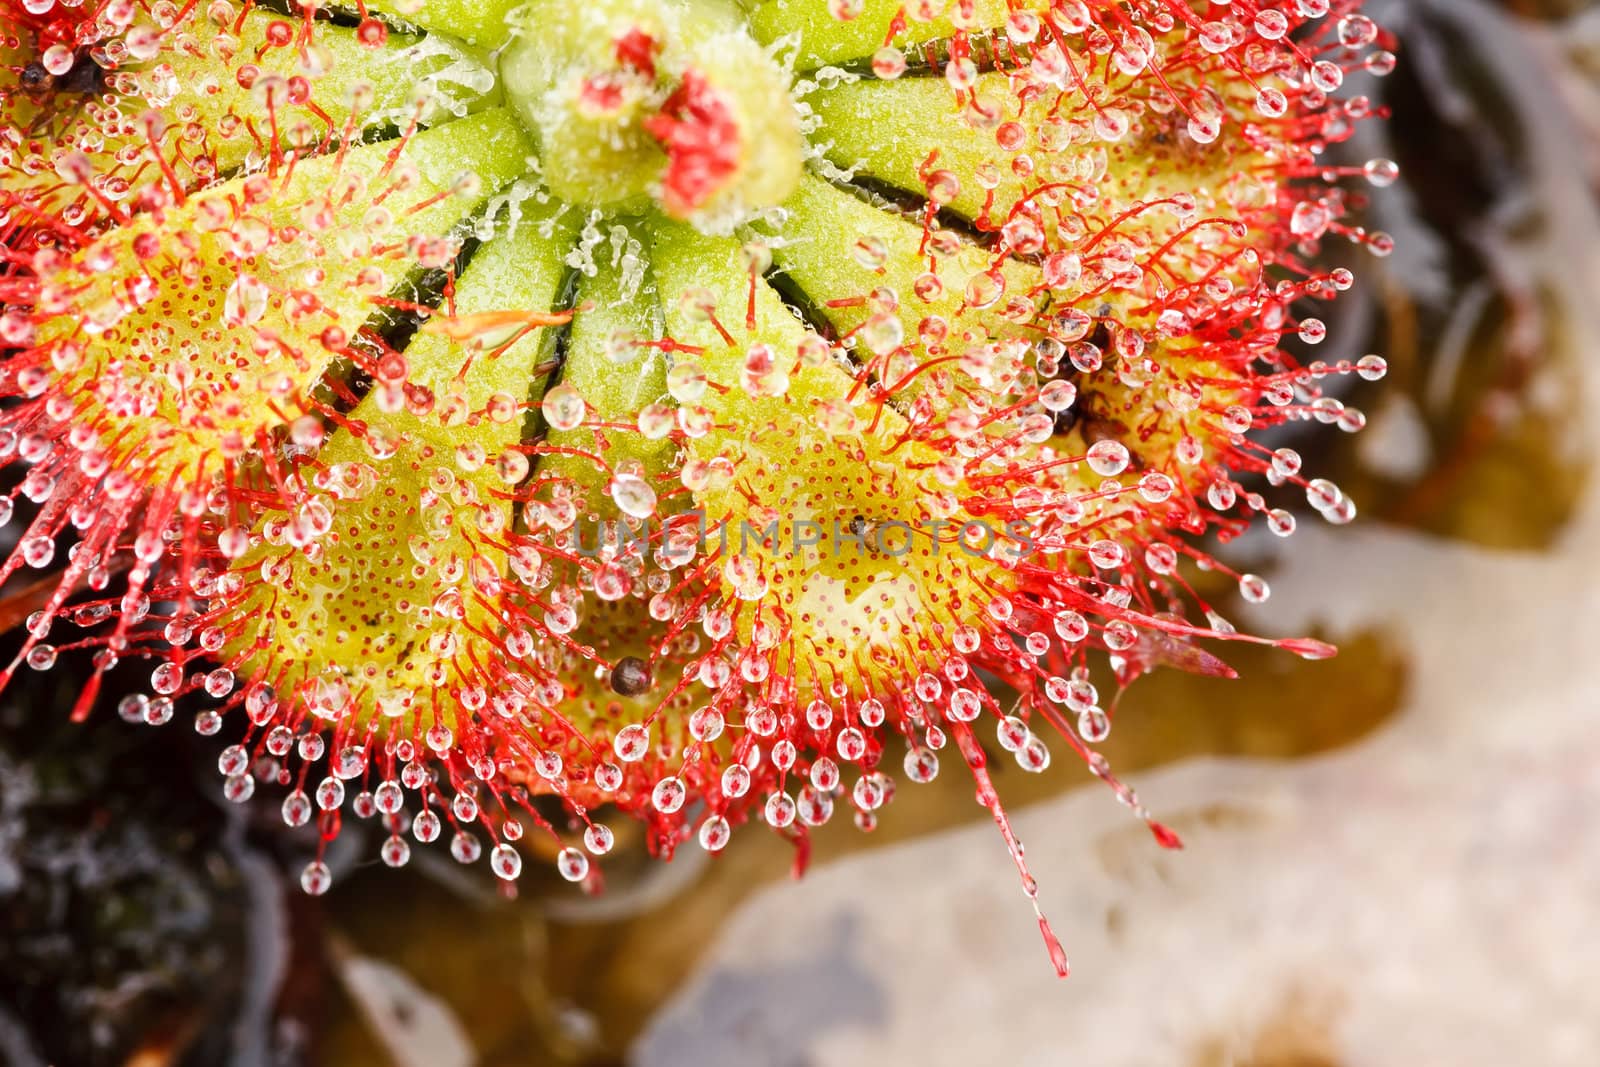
pixel 527 415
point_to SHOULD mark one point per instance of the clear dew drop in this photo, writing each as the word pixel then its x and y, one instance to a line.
pixel 426 826
pixel 573 864
pixel 466 848
pixel 631 743
pixel 1254 588
pixel 330 794
pixel 598 839
pixel 246 301
pixel 668 795
pixel 563 408
pixel 633 496
pixel 316 878
pixel 395 852
pixel 1108 458
pixel 1094 725
pixel 714 834
pixel 504 860
pixel 735 781
pixel 297 808
pixel 1034 755
pixel 921 765
pixel 779 810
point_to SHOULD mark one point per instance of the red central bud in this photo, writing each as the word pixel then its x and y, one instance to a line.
pixel 637 50
pixel 607 93
pixel 603 94
pixel 697 130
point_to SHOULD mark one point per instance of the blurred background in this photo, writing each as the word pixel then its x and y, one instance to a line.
pixel 1392 857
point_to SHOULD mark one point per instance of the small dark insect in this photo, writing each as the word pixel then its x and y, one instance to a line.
pixel 85 78
pixel 630 677
pixel 68 92
pixel 35 79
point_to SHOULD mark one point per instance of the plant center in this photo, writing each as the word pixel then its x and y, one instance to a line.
pixel 664 101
